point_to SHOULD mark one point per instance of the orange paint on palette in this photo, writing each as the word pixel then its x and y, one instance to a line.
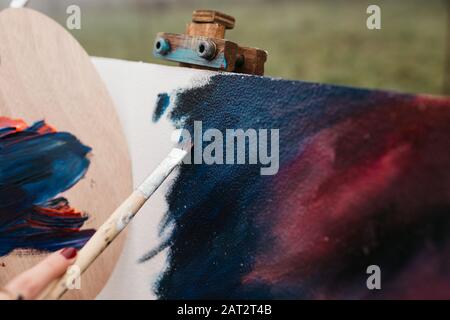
pixel 18 125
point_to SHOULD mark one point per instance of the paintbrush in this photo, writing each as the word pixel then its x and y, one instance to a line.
pixel 116 222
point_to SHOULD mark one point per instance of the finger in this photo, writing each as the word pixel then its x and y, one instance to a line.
pixel 29 284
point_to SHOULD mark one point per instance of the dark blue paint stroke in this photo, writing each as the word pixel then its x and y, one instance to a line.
pixel 34 168
pixel 162 104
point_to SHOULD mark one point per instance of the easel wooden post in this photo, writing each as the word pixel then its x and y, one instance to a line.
pixel 204 46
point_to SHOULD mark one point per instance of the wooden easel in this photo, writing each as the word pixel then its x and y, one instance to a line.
pixel 204 46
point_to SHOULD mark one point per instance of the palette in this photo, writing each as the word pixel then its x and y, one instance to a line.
pixel 64 159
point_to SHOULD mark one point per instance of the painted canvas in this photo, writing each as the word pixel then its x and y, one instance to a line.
pixel 362 180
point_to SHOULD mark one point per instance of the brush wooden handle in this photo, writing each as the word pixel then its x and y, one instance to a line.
pixel 98 243
pixel 114 225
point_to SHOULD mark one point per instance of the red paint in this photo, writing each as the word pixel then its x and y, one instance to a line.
pixel 346 176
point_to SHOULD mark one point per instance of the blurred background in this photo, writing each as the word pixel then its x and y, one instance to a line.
pixel 313 40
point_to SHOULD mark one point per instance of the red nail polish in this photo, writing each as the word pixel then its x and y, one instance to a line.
pixel 69 253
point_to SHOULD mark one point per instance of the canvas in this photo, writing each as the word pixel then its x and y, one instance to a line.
pixel 361 181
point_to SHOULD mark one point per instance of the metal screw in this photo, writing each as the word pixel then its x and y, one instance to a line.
pixel 206 49
pixel 162 46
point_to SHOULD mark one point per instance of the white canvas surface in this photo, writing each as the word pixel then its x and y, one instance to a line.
pixel 134 88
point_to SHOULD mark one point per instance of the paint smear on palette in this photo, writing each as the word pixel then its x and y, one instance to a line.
pixel 36 164
pixel 364 179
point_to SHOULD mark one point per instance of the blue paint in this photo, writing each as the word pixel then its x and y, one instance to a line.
pixel 190 56
pixel 225 64
pixel 162 103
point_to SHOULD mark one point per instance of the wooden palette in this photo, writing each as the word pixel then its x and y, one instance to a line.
pixel 46 74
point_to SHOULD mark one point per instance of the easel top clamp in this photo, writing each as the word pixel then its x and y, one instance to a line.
pixel 204 46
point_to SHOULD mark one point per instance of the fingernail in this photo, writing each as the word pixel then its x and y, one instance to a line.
pixel 69 253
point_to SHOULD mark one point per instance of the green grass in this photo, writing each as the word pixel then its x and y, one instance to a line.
pixel 325 41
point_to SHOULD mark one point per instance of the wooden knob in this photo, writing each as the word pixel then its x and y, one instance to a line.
pixel 211 16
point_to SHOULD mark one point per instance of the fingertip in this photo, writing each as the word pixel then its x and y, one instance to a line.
pixel 30 283
pixel 69 253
